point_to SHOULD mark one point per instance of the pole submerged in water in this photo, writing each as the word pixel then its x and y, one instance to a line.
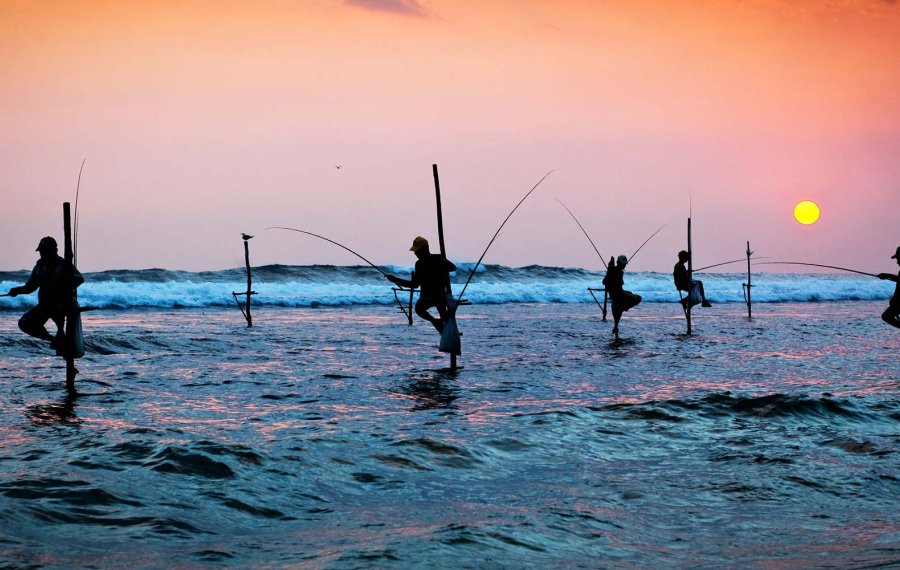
pixel 245 310
pixel 687 312
pixel 440 225
pixel 749 303
pixel 249 280
pixel 69 254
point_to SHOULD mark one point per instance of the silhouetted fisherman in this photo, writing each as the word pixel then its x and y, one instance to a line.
pixel 684 282
pixel 432 276
pixel 891 315
pixel 614 281
pixel 51 279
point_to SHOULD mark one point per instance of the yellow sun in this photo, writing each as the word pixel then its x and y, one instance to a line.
pixel 807 212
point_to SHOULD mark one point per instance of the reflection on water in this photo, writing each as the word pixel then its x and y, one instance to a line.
pixel 333 438
pixel 62 412
pixel 431 390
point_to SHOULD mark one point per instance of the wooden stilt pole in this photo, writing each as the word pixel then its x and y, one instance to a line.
pixel 687 313
pixel 749 303
pixel 245 310
pixel 69 255
pixel 440 224
pixel 249 281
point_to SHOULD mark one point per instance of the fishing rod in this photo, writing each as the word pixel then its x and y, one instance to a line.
pixel 472 274
pixel 330 241
pixel 585 233
pixel 817 265
pixel 726 263
pixel 630 259
pixel 75 228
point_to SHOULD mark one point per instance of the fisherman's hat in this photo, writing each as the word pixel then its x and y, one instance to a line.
pixel 46 243
pixel 621 260
pixel 896 254
pixel 418 243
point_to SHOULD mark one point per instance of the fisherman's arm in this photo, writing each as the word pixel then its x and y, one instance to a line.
pixel 77 277
pixel 449 265
pixel 887 277
pixel 409 284
pixel 401 282
pixel 29 287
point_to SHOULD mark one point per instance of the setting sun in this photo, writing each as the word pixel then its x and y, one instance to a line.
pixel 807 212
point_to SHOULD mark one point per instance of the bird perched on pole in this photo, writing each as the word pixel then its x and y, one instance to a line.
pixel 245 237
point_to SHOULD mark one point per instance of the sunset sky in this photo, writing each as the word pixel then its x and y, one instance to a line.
pixel 202 119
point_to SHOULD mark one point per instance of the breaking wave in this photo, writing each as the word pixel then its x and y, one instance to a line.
pixel 331 285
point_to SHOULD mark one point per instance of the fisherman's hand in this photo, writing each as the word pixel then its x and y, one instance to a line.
pixel 392 279
pixel 886 276
pixel 14 292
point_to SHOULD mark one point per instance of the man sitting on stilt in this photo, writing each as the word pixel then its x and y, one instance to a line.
pixel 432 275
pixel 892 314
pixel 683 282
pixel 49 277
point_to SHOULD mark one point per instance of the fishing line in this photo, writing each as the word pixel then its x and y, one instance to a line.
pixel 472 274
pixel 817 265
pixel 330 241
pixel 585 233
pixel 630 259
pixel 75 227
pixel 726 263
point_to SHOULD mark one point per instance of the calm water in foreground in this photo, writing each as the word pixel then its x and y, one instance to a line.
pixel 334 438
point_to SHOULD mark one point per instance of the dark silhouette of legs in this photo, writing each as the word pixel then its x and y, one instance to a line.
pixel 892 315
pixel 422 306
pixel 32 323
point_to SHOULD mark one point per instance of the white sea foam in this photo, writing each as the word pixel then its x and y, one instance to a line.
pixel 312 286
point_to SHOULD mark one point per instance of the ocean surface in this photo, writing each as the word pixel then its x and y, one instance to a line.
pixel 332 435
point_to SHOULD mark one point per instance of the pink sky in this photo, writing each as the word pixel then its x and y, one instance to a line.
pixel 203 119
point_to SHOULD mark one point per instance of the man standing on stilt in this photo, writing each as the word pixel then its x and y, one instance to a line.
pixel 622 300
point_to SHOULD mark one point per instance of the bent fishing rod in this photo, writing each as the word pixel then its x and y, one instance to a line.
pixel 603 261
pixel 818 265
pixel 630 259
pixel 726 263
pixel 329 241
pixel 477 263
pixel 75 227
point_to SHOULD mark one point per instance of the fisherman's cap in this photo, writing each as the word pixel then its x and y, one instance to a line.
pixel 418 243
pixel 896 254
pixel 621 260
pixel 47 243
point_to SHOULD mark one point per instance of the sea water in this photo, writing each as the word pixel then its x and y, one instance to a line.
pixel 332 435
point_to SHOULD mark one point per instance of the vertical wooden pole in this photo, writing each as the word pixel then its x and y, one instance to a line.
pixel 749 304
pixel 687 313
pixel 69 255
pixel 249 281
pixel 440 224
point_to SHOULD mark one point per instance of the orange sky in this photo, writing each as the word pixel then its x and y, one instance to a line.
pixel 202 119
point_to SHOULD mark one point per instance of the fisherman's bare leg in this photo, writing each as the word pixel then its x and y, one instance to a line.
pixel 704 302
pixel 422 306
pixel 617 315
pixel 32 323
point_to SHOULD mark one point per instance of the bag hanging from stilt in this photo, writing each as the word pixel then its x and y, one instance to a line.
pixel 450 341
